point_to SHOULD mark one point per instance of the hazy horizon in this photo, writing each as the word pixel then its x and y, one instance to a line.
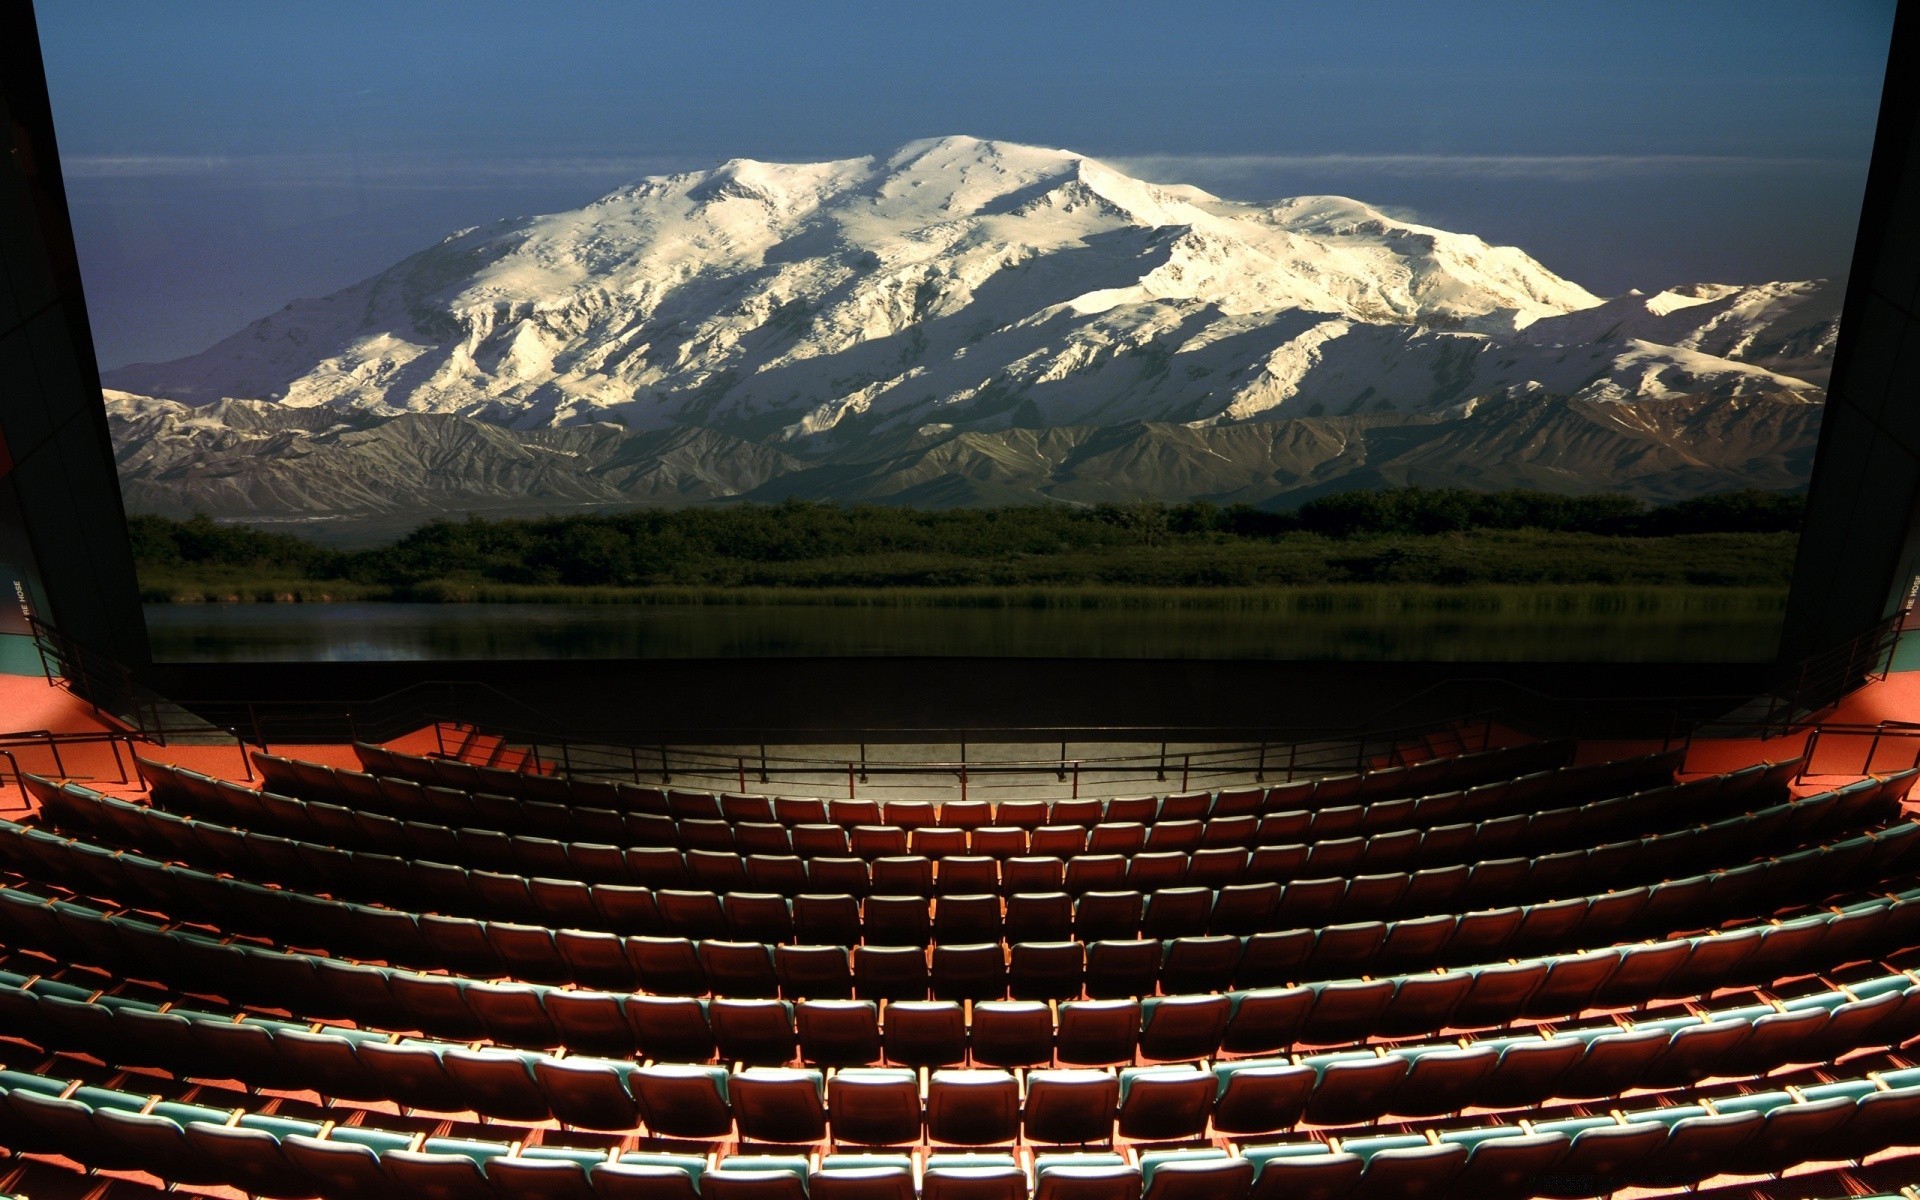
pixel 223 159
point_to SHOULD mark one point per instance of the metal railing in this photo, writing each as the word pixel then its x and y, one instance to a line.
pixel 123 746
pixel 1101 760
pixel 1857 749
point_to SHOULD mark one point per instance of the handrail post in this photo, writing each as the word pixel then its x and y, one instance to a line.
pixel 1186 762
pixel 666 773
pixel 1293 753
pixel 850 780
pixel 1061 775
pixel 863 765
pixel 1161 775
pixel 1076 779
pixel 1260 772
pixel 763 761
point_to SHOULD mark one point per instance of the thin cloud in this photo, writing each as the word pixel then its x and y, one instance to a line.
pixel 1175 167
pixel 366 171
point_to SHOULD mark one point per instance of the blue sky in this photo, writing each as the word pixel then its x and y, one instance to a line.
pixel 224 158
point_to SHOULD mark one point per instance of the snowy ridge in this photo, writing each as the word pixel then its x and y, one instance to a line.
pixel 965 286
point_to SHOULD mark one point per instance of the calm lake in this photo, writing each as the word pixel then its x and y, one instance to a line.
pixel 334 632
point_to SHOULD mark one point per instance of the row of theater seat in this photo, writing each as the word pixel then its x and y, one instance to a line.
pixel 890 860
pixel 1246 1096
pixel 1258 1021
pixel 677 966
pixel 896 920
pixel 280 1156
pixel 895 831
pixel 1433 775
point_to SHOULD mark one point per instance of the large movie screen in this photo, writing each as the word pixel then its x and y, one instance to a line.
pixel 1464 331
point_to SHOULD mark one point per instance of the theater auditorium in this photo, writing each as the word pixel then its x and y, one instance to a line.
pixel 981 929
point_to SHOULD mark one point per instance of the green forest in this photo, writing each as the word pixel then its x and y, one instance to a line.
pixel 1443 538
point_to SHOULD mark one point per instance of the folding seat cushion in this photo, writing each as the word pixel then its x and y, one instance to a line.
pixel 852 811
pixel 656 867
pixel 588 1094
pixel 813 972
pixel 910 814
pixel 670 1028
pixel 1095 873
pixel 1435 889
pixel 1571 982
pixel 862 1182
pixel 1643 972
pixel 1715 961
pixel 975 971
pixel 1503 1161
pixel 596 959
pixel 826 918
pixel 1183 1027
pixel 895 921
pixel 758 917
pixel 693 806
pixel 1499 993
pixel 1240 909
pixel 1072 1105
pixel 1346 949
pixel 1180 836
pixel 1059 841
pixel 739 968
pixel 752 1031
pixel 1403 1171
pixel 1701 1146
pixel 1335 857
pixel 874 841
pixel 1374 895
pixel 1271 959
pixel 821 841
pixel 1120 968
pixel 1201 964
pixel 1266 1020
pixel 342 1167
pixel 1100 915
pixel 1294 1172
pixel 874 1107
pixel 1355 1087
pixel 1165 1103
pixel 690 914
pixel 1308 903
pixel 997 841
pixel 968 875
pixel 1260 1095
pixel 964 918
pixel 667 966
pixel 1021 814
pixel 938 842
pixel 1155 870
pixel 925 1033
pixel 1177 912
pixel 512 1013
pixel 1097 1033
pixel 250 1158
pixel 799 810
pixel 1001 1181
pixel 635 1181
pixel 1038 917
pixel 779 1104
pixel 973 1107
pixel 1011 1033
pixel 1046 970
pixel 1485 935
pixel 1229 832
pixel 839 1033
pixel 498 1083
pixel 1346 1010
pixel 528 951
pixel 740 808
pixel 756 1177
pixel 1032 873
pixel 413 1073
pixel 1217 866
pixel 562 903
pixel 1424 1003
pixel 1603 1156
pixel 719 870
pixel 1444 1081
pixel 755 837
pixel 777 874
pixel 890 972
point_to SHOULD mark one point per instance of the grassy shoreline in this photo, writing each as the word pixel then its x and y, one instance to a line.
pixel 1355 598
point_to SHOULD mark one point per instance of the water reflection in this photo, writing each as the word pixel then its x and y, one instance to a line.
pixel 361 632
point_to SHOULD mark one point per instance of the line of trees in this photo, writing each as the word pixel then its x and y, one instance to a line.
pixel 671 545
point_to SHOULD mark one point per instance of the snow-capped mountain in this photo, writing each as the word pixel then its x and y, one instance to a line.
pixel 956 286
